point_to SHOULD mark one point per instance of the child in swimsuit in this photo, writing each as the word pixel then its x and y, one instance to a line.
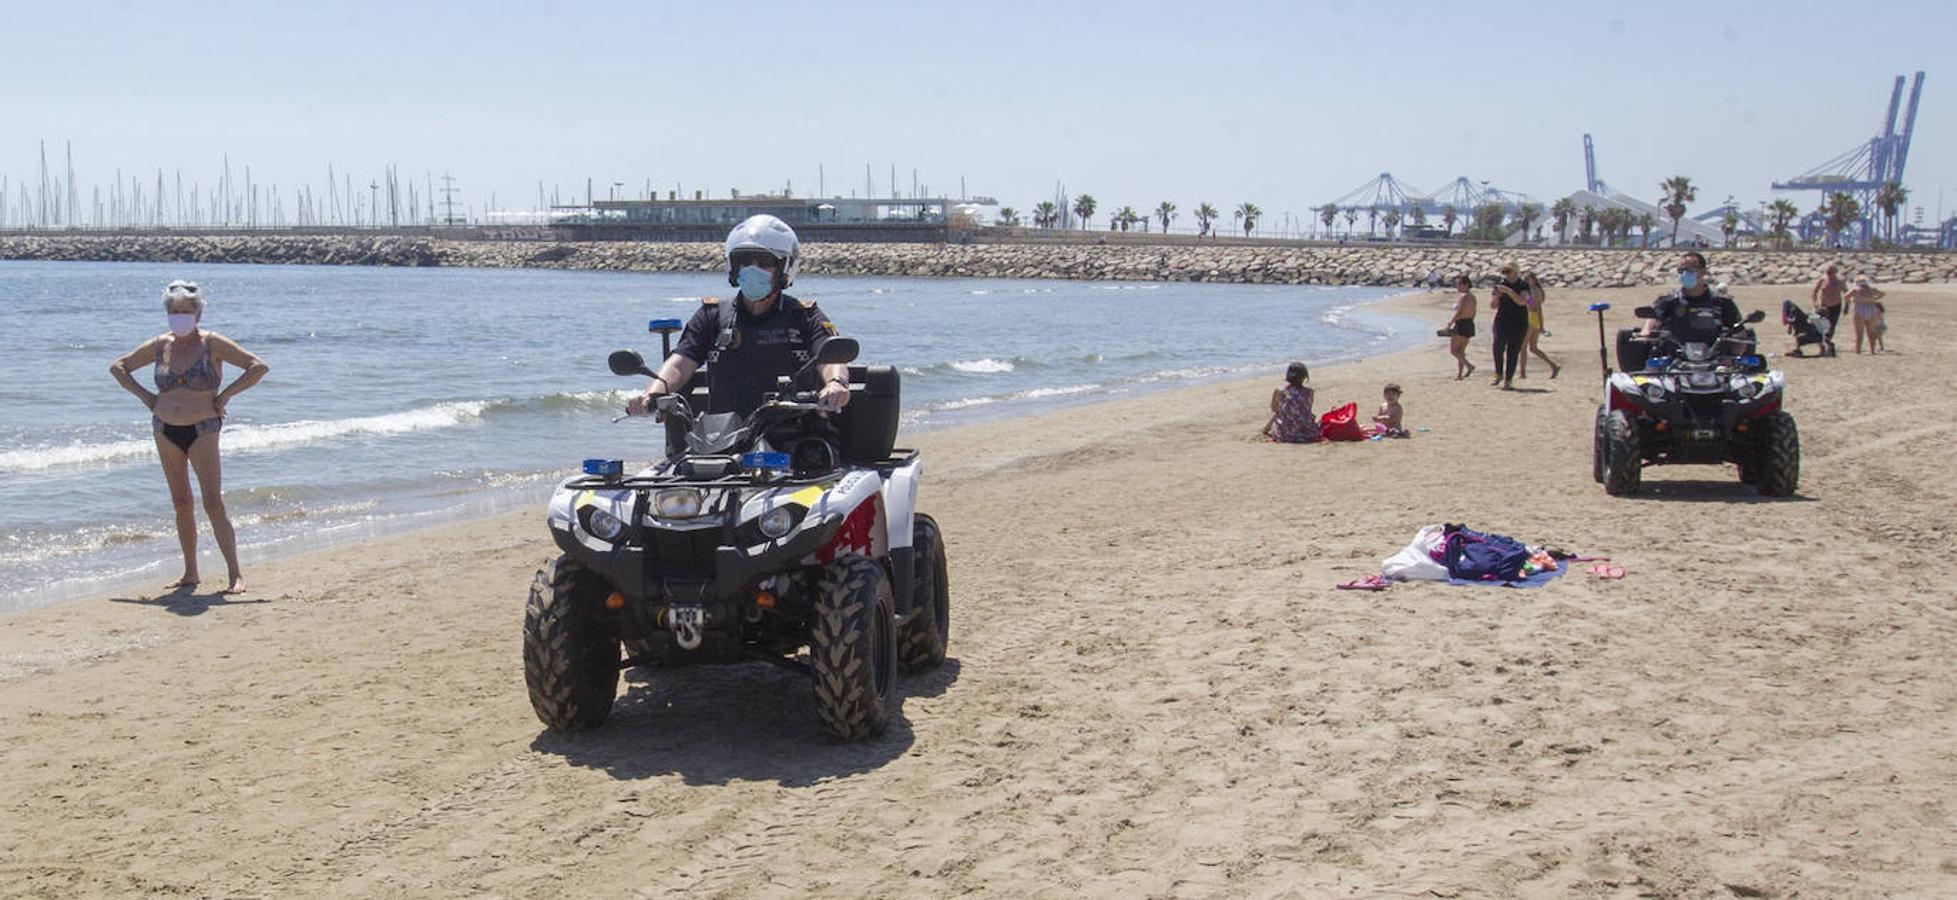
pixel 1386 422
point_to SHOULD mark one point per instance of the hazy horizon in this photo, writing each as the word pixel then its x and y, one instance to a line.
pixel 1287 106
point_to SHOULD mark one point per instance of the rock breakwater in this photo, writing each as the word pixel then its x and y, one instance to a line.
pixel 1278 264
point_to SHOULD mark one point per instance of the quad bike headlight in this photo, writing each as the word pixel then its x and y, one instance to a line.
pixel 678 503
pixel 1653 391
pixel 604 525
pixel 775 522
pixel 1747 388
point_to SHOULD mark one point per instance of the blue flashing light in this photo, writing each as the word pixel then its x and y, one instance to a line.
pixel 1657 362
pixel 604 468
pixel 769 460
pixel 665 326
pixel 1752 362
pixel 1599 307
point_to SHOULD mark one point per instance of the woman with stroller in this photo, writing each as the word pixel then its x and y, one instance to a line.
pixel 1461 327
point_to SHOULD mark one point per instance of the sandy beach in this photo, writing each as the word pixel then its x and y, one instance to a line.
pixel 1154 688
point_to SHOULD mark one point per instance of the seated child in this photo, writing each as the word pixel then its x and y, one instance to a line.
pixel 1291 419
pixel 1386 423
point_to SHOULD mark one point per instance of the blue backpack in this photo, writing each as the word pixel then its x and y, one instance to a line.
pixel 1473 556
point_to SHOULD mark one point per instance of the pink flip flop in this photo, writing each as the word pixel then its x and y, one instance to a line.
pixel 1606 571
pixel 1368 583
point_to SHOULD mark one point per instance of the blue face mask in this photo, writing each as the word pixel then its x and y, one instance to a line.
pixel 756 282
pixel 1688 280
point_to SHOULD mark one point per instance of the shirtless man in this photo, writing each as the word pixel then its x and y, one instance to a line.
pixel 1827 299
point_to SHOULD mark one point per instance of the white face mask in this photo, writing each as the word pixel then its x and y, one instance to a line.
pixel 181 323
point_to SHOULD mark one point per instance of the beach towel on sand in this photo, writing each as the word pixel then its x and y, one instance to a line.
pixel 1460 555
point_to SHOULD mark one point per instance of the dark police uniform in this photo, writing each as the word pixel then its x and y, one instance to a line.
pixel 757 350
pixel 1702 319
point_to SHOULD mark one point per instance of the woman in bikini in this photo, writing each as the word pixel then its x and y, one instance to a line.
pixel 1866 304
pixel 187 415
pixel 1461 327
pixel 1534 297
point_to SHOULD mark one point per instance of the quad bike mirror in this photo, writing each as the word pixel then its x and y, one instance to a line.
pixel 1756 316
pixel 1645 312
pixel 830 352
pixel 628 362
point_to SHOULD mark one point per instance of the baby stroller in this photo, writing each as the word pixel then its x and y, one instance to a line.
pixel 1806 328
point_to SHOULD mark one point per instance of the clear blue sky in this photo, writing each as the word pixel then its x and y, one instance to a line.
pixel 1286 105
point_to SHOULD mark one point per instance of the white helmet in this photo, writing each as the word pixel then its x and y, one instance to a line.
pixel 770 235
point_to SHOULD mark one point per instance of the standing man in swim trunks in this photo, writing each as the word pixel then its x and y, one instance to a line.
pixel 187 415
pixel 1827 300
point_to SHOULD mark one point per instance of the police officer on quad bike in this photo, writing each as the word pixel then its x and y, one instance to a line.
pixel 1694 391
pixel 1694 314
pixel 761 335
pixel 772 530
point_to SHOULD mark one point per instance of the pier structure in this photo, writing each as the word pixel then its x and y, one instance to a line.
pixel 1862 171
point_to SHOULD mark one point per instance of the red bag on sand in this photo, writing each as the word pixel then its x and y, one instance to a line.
pixel 1341 424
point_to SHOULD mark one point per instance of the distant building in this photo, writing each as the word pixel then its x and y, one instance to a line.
pixel 832 218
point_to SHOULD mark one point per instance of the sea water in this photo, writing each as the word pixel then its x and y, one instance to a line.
pixel 404 397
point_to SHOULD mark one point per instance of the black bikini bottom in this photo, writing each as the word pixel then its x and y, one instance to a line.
pixel 185 435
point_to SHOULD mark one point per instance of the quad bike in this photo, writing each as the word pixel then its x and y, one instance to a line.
pixel 784 536
pixel 1693 403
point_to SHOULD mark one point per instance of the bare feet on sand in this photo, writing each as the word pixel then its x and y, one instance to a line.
pixel 189 580
pixel 237 585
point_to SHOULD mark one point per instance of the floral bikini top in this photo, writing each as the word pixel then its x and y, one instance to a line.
pixel 201 376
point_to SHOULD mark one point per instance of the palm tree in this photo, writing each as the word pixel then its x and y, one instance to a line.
pixel 1678 192
pixel 1205 214
pixel 1009 217
pixel 1084 208
pixel 1450 215
pixel 1247 214
pixel 1729 222
pixel 1392 220
pixel 1487 223
pixel 1841 209
pixel 1779 214
pixel 1890 199
pixel 1419 216
pixel 1167 213
pixel 1351 219
pixel 1559 215
pixel 1045 215
pixel 1327 214
pixel 1372 220
pixel 1126 216
pixel 1585 219
pixel 1645 222
pixel 1526 215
